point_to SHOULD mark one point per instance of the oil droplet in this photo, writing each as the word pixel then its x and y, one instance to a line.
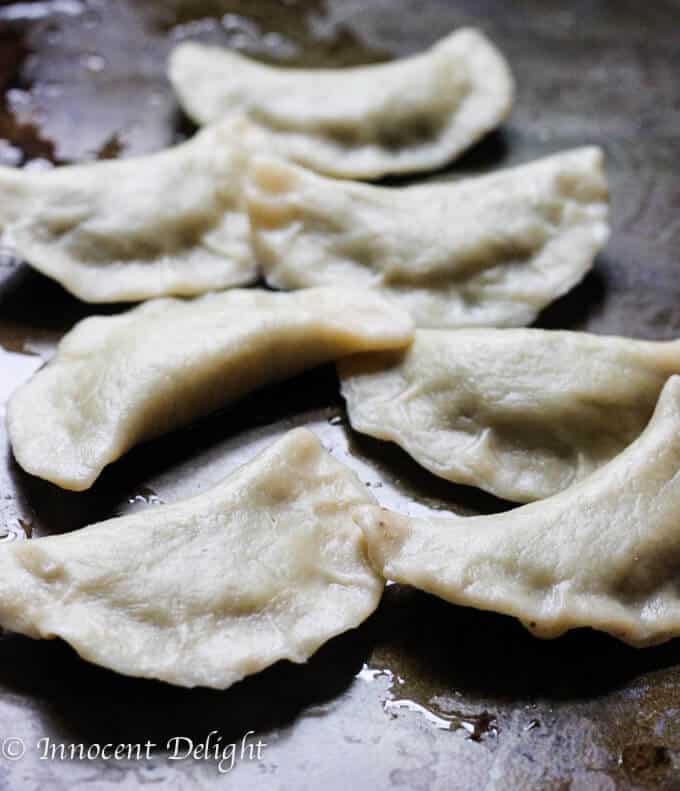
pixel 371 674
pixel 93 62
pixel 476 726
pixel 146 496
pixel 394 706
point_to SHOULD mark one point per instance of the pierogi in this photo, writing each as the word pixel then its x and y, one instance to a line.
pixel 521 413
pixel 487 251
pixel 118 380
pixel 410 115
pixel 267 565
pixel 171 223
pixel 601 554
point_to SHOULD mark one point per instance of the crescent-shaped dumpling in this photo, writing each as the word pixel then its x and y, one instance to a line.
pixel 267 565
pixel 521 413
pixel 602 554
pixel 487 251
pixel 414 114
pixel 118 380
pixel 170 223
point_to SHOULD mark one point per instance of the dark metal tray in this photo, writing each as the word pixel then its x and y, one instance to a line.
pixel 424 696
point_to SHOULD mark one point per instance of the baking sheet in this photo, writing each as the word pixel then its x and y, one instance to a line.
pixel 425 695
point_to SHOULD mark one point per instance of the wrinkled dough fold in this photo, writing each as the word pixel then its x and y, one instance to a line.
pixel 604 553
pixel 521 413
pixel 118 380
pixel 487 251
pixel 409 115
pixel 171 223
pixel 267 565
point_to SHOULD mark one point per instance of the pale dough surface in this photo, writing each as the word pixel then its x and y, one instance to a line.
pixel 117 380
pixel 410 115
pixel 521 413
pixel 486 251
pixel 267 565
pixel 171 223
pixel 602 554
